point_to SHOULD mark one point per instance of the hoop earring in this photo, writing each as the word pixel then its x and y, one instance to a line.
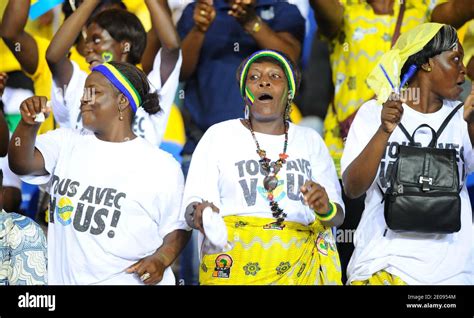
pixel 247 112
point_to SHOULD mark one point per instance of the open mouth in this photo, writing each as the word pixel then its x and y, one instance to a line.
pixel 93 62
pixel 459 85
pixel 265 97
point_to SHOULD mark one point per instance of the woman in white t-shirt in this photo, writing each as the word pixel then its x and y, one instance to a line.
pixel 116 35
pixel 113 219
pixel 273 183
pixel 433 55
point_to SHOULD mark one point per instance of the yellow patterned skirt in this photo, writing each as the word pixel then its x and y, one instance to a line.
pixel 380 278
pixel 265 254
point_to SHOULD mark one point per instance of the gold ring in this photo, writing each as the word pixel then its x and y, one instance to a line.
pixel 202 12
pixel 145 276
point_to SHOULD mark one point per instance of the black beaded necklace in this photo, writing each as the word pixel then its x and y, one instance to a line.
pixel 270 170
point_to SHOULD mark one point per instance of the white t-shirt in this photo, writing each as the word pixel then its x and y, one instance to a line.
pixel 66 106
pixel 415 258
pixel 111 205
pixel 9 178
pixel 225 170
pixel 12 99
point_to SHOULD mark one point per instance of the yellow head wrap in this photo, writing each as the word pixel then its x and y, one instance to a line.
pixel 392 61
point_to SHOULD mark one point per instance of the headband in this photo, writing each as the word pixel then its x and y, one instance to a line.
pixel 245 91
pixel 121 82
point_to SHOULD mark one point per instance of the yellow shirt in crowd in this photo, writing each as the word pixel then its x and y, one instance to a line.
pixel 363 38
pixel 42 80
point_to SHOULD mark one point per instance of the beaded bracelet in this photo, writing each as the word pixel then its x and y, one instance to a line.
pixel 328 216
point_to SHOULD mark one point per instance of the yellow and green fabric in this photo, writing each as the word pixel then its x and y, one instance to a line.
pixel 468 42
pixel 380 278
pixel 175 135
pixel 363 38
pixel 266 254
pixel 139 8
pixel 42 78
pixel 8 61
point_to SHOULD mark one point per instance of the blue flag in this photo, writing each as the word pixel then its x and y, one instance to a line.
pixel 40 7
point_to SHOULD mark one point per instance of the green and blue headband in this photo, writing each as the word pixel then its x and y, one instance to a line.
pixel 245 91
pixel 121 82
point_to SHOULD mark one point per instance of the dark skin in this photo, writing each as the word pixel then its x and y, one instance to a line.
pixel 4 133
pixel 102 102
pixel 23 157
pixel 20 43
pixel 12 201
pixel 470 68
pixel 243 11
pixel 165 255
pixel 4 192
pixel 63 40
pixel 13 195
pixel 101 115
pixel 3 82
pixel 453 12
pixel 266 116
pixel 165 32
pixel 437 80
pixel 81 42
pixel 12 30
pixel 99 41
pixel 1 191
pixel 107 103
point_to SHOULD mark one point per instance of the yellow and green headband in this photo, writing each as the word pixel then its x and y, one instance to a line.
pixel 121 82
pixel 245 91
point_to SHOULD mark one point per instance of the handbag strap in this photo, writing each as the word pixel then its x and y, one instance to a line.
pixel 406 133
pixel 440 130
pixel 398 26
pixel 446 121
pixel 411 138
pixel 434 140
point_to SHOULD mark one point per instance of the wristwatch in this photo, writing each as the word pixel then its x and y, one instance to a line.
pixel 189 216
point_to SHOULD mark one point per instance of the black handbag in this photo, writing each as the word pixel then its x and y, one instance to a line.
pixel 424 187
